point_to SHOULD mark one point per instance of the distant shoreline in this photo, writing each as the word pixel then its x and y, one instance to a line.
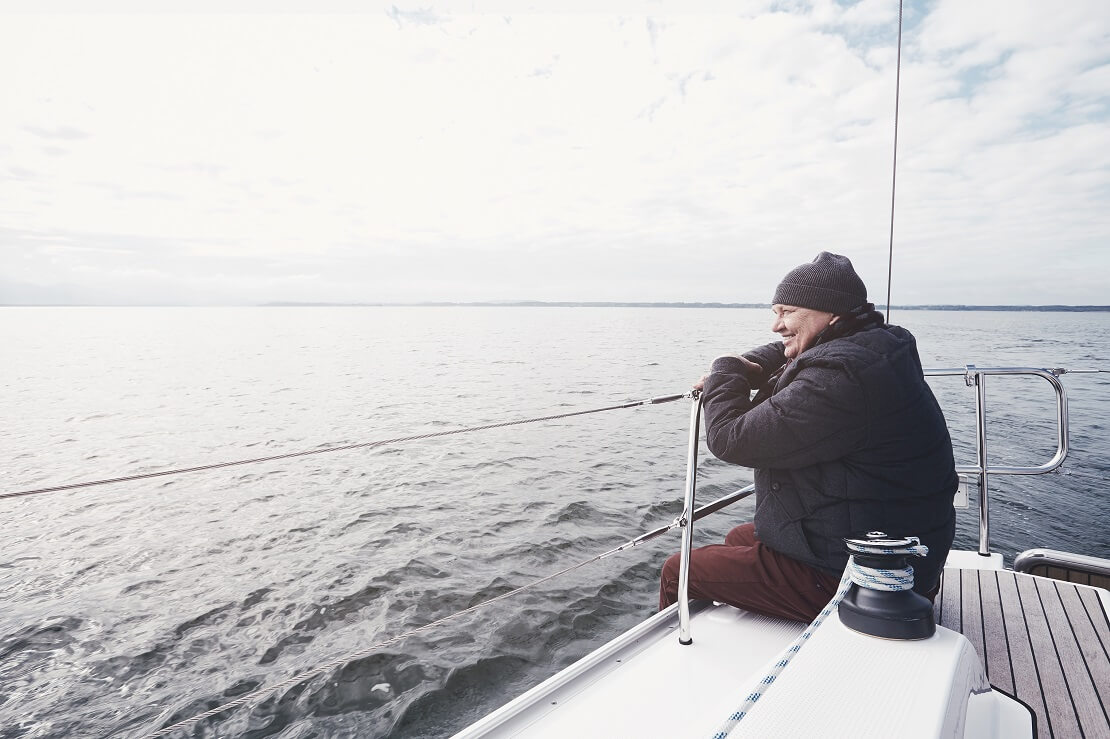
pixel 604 304
pixel 574 304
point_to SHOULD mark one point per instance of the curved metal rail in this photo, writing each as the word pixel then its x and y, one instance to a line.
pixel 982 469
pixel 1030 559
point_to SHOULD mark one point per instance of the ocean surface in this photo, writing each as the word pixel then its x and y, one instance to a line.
pixel 128 607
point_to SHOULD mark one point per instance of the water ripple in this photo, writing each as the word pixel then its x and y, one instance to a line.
pixel 131 607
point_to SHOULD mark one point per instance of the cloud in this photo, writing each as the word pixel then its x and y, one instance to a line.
pixel 419 17
pixel 63 133
pixel 416 155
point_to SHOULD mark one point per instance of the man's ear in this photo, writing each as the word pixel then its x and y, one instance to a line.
pixel 834 320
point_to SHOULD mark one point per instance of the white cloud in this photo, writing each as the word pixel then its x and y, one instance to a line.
pixel 425 155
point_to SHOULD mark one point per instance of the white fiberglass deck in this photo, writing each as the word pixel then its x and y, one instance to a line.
pixel 676 690
pixel 646 684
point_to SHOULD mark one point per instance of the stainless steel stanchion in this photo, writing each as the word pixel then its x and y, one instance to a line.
pixel 687 523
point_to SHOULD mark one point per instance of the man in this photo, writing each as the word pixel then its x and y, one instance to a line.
pixel 845 437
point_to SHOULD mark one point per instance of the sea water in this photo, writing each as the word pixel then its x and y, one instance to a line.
pixel 131 606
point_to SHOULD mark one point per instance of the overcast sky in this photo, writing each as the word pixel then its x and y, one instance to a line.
pixel 412 153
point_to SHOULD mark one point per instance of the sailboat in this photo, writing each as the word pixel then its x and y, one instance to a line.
pixel 1019 652
pixel 1014 652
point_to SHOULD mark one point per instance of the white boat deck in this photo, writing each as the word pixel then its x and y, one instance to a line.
pixel 842 684
pixel 678 690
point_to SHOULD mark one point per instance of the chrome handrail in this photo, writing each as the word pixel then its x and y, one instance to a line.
pixel 686 521
pixel 976 377
pixel 1030 559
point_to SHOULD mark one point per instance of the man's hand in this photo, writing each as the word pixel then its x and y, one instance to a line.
pixel 752 366
pixel 749 365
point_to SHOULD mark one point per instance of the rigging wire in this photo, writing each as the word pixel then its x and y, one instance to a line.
pixel 698 514
pixel 326 450
pixel 894 169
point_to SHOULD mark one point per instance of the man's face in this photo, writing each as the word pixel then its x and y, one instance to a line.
pixel 799 327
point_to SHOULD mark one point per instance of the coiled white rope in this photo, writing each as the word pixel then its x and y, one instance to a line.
pixel 865 577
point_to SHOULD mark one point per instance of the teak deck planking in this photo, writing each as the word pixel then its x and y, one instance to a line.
pixel 1044 641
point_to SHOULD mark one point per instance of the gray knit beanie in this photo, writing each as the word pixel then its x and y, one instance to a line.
pixel 828 283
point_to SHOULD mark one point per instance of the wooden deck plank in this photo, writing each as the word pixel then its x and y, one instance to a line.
pixel 1095 657
pixel 1098 617
pixel 1081 690
pixel 950 597
pixel 938 600
pixel 1027 687
pixel 1056 573
pixel 971 610
pixel 1062 718
pixel 996 651
pixel 1045 641
pixel 1082 578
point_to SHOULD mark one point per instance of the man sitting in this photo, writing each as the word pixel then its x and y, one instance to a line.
pixel 845 437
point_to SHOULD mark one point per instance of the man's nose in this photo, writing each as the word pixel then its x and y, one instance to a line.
pixel 776 325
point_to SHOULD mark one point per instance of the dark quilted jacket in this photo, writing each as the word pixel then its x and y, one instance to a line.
pixel 850 440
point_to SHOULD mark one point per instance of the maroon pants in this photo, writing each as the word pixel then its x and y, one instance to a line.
pixel 745 573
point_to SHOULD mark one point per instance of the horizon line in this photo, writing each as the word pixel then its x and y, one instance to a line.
pixel 1053 307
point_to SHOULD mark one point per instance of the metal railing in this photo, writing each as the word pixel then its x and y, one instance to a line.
pixel 1031 559
pixel 976 377
pixel 687 522
pixel 982 469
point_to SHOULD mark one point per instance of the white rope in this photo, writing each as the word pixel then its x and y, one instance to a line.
pixel 865 577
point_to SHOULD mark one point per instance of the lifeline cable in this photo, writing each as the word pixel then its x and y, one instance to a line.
pixel 894 170
pixel 701 512
pixel 864 577
pixel 345 447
